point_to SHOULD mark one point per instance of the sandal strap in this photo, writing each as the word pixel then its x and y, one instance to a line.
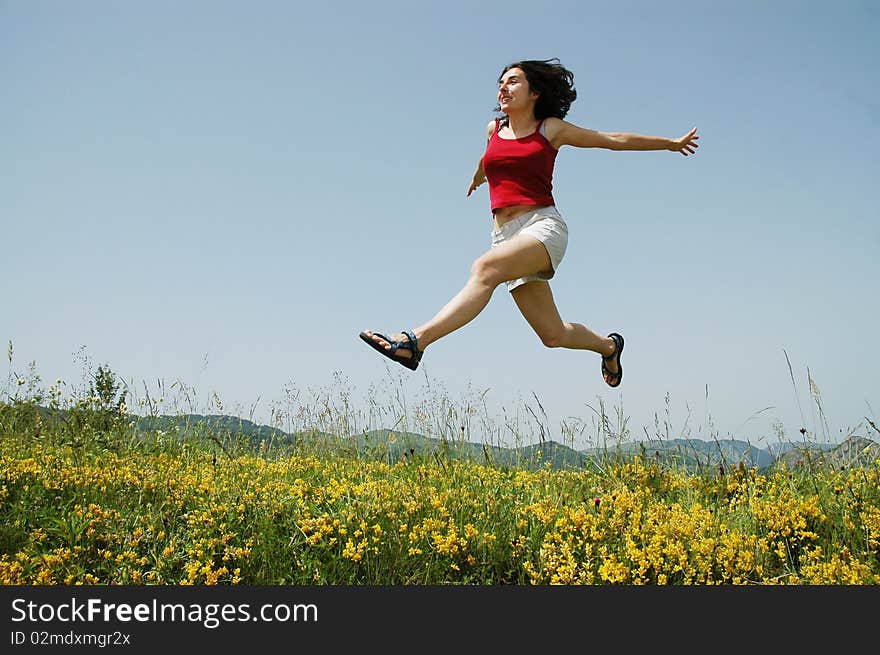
pixel 413 344
pixel 394 344
pixel 615 338
pixel 614 374
pixel 613 354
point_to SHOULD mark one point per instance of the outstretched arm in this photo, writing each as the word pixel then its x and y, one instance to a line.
pixel 562 133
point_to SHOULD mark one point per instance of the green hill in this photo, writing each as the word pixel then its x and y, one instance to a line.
pixel 695 455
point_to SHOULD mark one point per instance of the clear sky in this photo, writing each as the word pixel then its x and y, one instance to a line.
pixel 223 194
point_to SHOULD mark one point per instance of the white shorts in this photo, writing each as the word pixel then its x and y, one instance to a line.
pixel 544 224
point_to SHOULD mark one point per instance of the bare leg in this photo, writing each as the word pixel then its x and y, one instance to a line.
pixel 519 257
pixel 535 302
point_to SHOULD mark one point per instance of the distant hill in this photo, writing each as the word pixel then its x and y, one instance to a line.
pixel 393 446
pixel 390 445
pixel 853 452
pixel 217 425
pixel 699 453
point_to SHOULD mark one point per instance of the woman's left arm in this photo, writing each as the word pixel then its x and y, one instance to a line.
pixel 561 133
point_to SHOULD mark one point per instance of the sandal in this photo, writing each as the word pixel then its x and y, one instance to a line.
pixel 617 377
pixel 411 362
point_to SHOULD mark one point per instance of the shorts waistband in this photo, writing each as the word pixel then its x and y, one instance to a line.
pixel 549 211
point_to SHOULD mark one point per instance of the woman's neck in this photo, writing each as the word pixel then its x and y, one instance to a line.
pixel 521 122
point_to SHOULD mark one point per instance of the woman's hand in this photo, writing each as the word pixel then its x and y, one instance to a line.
pixel 686 145
pixel 477 181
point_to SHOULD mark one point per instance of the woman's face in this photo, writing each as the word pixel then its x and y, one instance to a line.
pixel 514 92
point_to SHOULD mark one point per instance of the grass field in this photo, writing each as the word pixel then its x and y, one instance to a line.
pixel 87 497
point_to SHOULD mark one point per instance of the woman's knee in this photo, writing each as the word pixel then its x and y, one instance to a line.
pixel 551 338
pixel 486 270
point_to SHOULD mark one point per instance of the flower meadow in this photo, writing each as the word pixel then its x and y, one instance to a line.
pixel 85 498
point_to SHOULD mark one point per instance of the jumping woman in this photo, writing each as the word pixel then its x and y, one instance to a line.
pixel 530 236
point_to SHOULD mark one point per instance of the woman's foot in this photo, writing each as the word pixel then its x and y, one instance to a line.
pixel 402 351
pixel 612 370
pixel 402 347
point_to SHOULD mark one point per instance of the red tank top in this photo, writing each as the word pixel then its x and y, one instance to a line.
pixel 519 171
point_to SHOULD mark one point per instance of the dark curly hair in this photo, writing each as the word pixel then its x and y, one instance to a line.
pixel 553 82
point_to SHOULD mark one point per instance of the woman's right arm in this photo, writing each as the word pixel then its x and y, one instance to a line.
pixel 479 175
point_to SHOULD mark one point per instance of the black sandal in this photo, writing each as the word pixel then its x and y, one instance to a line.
pixel 617 377
pixel 411 362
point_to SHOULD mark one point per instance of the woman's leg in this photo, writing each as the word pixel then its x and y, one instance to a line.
pixel 535 302
pixel 521 256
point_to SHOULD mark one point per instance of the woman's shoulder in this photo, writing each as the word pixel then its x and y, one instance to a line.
pixel 552 125
pixel 491 127
pixel 553 121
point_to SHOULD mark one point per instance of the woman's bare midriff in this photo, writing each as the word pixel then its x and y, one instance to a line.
pixel 505 214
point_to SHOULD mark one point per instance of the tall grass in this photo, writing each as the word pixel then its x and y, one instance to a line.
pixel 90 496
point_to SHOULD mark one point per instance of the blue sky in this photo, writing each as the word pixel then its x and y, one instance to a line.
pixel 223 194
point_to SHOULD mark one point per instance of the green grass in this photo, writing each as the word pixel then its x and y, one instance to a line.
pixel 90 494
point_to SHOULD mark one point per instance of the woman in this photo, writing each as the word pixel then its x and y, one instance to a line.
pixel 530 236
